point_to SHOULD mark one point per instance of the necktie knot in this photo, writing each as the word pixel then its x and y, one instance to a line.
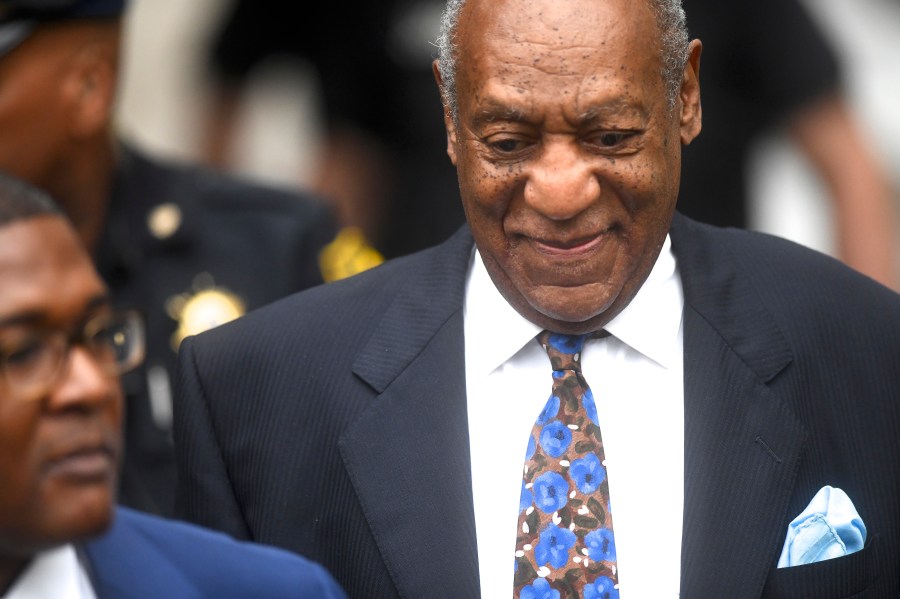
pixel 564 350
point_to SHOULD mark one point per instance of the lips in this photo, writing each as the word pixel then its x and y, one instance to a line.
pixel 570 246
pixel 85 463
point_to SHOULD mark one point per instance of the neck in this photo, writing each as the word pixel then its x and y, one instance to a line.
pixel 83 189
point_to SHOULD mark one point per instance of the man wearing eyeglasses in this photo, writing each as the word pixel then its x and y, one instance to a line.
pixel 189 247
pixel 62 347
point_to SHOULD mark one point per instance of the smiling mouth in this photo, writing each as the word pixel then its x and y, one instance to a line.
pixel 570 247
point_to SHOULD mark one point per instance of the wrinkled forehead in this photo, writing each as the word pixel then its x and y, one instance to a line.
pixel 575 57
pixel 629 25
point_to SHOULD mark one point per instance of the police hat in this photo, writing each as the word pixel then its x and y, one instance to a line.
pixel 18 18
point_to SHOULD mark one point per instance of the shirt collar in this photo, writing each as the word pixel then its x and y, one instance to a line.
pixel 53 573
pixel 650 323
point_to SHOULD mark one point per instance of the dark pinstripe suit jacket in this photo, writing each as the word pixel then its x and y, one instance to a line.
pixel 333 423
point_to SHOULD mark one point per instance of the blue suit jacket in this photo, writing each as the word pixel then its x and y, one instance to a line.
pixel 334 422
pixel 145 557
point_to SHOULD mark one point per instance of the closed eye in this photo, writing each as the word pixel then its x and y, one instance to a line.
pixel 507 146
pixel 23 354
pixel 615 141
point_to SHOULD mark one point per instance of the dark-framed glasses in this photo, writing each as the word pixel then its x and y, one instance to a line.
pixel 33 364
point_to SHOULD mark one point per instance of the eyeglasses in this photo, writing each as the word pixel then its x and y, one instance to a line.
pixel 33 365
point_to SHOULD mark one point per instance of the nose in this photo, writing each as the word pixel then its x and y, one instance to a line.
pixel 561 183
pixel 84 383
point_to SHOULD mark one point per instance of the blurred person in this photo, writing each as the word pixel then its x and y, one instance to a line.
pixel 188 247
pixel 425 429
pixel 62 345
pixel 767 66
pixel 381 160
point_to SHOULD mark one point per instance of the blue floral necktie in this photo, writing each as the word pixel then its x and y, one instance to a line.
pixel 565 545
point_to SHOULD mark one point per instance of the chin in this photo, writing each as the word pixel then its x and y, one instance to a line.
pixel 576 308
pixel 86 515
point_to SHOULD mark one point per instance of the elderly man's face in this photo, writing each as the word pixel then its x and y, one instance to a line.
pixel 59 447
pixel 567 151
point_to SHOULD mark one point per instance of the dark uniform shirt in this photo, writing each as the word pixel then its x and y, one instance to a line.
pixel 191 248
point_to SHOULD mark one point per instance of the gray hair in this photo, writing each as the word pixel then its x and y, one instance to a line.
pixel 673 39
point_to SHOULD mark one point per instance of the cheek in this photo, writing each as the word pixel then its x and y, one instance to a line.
pixel 31 135
pixel 113 412
pixel 488 197
pixel 16 494
pixel 19 491
pixel 650 186
pixel 486 188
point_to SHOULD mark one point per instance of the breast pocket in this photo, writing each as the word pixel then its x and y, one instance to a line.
pixel 855 575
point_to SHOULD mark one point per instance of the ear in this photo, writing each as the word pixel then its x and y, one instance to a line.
pixel 691 110
pixel 90 87
pixel 448 116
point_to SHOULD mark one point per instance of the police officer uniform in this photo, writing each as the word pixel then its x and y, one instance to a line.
pixel 192 248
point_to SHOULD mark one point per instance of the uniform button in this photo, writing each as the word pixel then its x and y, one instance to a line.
pixel 164 220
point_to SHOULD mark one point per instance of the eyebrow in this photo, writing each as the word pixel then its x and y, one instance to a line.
pixel 32 317
pixel 493 112
pixel 614 109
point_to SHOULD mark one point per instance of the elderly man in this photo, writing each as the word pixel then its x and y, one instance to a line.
pixel 723 406
pixel 188 247
pixel 62 346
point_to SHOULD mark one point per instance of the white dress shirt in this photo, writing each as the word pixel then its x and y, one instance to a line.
pixel 636 376
pixel 54 574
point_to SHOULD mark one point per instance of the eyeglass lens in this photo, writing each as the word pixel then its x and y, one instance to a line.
pixel 115 341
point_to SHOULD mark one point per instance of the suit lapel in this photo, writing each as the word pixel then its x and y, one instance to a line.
pixel 742 443
pixel 412 443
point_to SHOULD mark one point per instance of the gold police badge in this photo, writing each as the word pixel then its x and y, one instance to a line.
pixel 206 308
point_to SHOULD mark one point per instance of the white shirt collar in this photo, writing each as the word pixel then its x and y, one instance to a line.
pixel 649 324
pixel 53 574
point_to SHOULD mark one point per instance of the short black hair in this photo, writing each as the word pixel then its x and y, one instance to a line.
pixel 20 201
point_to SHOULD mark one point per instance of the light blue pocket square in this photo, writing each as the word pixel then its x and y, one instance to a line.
pixel 829 527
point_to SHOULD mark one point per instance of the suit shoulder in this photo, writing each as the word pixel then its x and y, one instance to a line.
pixel 785 267
pixel 202 559
pixel 780 266
pixel 808 292
pixel 344 313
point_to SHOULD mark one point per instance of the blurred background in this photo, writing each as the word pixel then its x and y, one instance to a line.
pixel 280 132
